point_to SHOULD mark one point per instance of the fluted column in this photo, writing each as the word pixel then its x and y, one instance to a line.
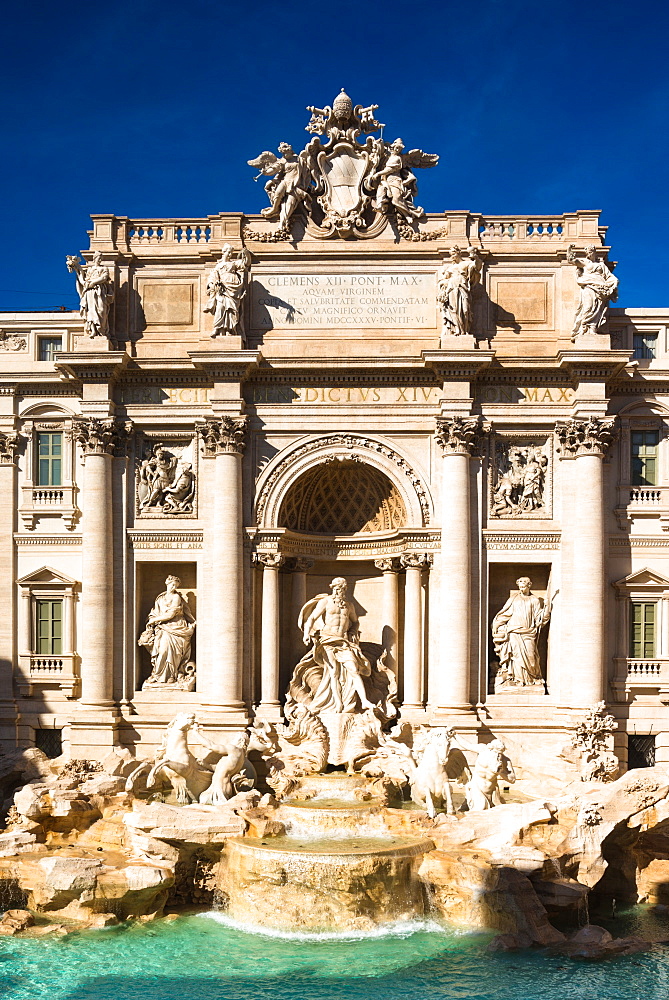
pixel 413 562
pixel 100 440
pixel 587 442
pixel 391 615
pixel 449 681
pixel 271 563
pixel 224 440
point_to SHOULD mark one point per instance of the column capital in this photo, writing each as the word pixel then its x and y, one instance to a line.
pixel 388 564
pixel 459 435
pixel 592 436
pixel 108 436
pixel 224 436
pixel 9 445
pixel 416 560
pixel 269 560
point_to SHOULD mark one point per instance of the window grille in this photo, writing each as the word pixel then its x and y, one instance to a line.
pixel 49 741
pixel 640 751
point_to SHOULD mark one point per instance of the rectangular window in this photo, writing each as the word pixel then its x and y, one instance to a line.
pixel 49 627
pixel 50 457
pixel 643 617
pixel 644 458
pixel 49 741
pixel 640 751
pixel 645 346
pixel 48 346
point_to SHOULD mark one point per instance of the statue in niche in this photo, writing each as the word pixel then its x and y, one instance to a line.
pixel 334 675
pixel 520 481
pixel 515 632
pixel 226 286
pixel 95 287
pixel 166 484
pixel 168 636
pixel 492 765
pixel 455 280
pixel 396 186
pixel 598 286
pixel 289 188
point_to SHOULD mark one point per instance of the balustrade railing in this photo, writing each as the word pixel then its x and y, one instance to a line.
pixel 144 232
pixel 522 228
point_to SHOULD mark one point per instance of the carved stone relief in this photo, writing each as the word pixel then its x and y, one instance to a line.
pixel 165 481
pixel 520 477
pixel 12 342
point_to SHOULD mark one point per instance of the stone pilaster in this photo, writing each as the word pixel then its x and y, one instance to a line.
pixel 271 563
pixel 100 441
pixel 9 444
pixel 391 616
pixel 224 441
pixel 458 438
pixel 413 563
pixel 586 442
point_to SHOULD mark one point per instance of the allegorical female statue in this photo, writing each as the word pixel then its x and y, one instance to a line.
pixel 455 280
pixel 96 293
pixel 598 286
pixel 167 636
pixel 515 630
pixel 225 289
pixel 335 675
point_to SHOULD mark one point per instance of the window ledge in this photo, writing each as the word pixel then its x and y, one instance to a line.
pixel 38 669
pixel 48 500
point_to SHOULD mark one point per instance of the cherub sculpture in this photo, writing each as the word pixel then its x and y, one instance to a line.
pixel 289 187
pixel 395 184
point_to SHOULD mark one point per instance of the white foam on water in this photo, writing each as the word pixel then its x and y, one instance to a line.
pixel 399 928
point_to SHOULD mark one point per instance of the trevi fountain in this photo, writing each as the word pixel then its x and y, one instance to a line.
pixel 315 696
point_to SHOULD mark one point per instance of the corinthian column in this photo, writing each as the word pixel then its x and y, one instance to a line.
pixel 224 439
pixel 586 442
pixel 100 440
pixel 271 563
pixel 449 678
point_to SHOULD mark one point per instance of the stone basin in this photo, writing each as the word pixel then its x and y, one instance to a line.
pixel 324 883
pixel 335 817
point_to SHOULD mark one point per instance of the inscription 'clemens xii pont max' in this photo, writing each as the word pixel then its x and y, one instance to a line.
pixel 286 301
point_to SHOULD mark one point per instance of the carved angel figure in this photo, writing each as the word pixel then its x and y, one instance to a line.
pixel 225 289
pixel 289 188
pixel 96 293
pixel 598 286
pixel 455 280
pixel 395 184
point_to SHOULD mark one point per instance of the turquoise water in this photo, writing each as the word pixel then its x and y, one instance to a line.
pixel 204 958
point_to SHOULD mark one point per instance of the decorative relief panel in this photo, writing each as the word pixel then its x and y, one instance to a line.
pixel 520 477
pixel 165 479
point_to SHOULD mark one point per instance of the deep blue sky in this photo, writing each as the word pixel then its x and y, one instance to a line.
pixel 151 109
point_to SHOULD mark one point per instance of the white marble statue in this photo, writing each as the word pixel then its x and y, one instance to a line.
pixel 492 765
pixel 289 188
pixel 226 286
pixel 515 631
pixel 168 636
pixel 331 675
pixel 175 763
pixel 455 280
pixel 396 185
pixel 230 773
pixel 96 293
pixel 598 286
pixel 439 761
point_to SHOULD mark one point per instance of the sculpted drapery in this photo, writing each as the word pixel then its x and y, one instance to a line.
pixel 515 630
pixel 168 635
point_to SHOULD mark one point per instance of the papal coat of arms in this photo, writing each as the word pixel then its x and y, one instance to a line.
pixel 345 187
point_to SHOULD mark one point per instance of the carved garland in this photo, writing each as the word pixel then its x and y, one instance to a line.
pixel 347 441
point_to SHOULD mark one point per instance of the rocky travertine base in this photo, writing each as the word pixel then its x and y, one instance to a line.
pixel 80 851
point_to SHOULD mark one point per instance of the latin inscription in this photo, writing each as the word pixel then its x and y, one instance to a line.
pixel 541 394
pixel 346 395
pixel 136 395
pixel 288 301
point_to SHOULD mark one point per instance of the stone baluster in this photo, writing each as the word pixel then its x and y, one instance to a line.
pixel 587 441
pixel 449 679
pixel 224 439
pixel 100 440
pixel 414 563
pixel 271 563
pixel 390 568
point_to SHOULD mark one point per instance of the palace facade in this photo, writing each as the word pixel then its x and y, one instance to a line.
pixel 270 401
